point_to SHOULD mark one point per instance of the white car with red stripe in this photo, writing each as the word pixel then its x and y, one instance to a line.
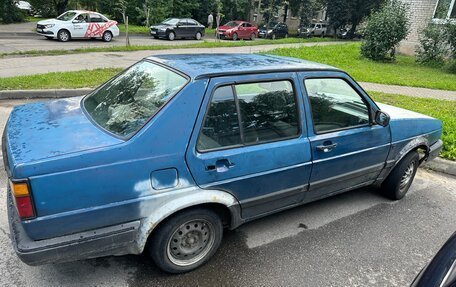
pixel 78 24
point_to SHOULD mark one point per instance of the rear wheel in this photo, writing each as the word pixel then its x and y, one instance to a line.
pixel 253 37
pixel 198 36
pixel 273 37
pixel 235 37
pixel 107 36
pixel 187 240
pixel 401 177
pixel 63 36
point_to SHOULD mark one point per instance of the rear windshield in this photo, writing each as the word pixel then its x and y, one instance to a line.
pixel 67 16
pixel 124 104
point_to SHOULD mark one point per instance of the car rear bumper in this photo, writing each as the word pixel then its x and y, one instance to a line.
pixel 434 150
pixel 112 240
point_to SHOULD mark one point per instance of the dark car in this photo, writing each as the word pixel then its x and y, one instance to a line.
pixel 441 271
pixel 173 28
pixel 237 30
pixel 273 30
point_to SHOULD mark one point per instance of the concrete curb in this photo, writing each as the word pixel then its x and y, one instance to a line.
pixel 442 165
pixel 438 164
pixel 43 94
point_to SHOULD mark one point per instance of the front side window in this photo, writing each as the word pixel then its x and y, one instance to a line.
pixel 335 105
pixel 124 104
pixel 445 9
pixel 267 112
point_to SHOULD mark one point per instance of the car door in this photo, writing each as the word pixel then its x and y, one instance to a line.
pixel 250 140
pixel 348 150
pixel 80 25
pixel 182 29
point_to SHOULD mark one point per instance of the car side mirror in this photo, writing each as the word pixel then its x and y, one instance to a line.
pixel 382 118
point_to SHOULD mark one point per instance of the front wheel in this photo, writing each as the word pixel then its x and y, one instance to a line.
pixel 187 240
pixel 273 37
pixel 63 36
pixel 171 36
pixel 107 36
pixel 235 37
pixel 401 177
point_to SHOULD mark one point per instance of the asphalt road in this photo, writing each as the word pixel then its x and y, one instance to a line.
pixel 355 239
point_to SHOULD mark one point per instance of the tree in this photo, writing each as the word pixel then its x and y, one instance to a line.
pixel 9 13
pixel 385 29
pixel 50 8
pixel 344 12
pixel 305 9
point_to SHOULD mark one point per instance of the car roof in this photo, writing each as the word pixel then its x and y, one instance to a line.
pixel 213 65
pixel 83 11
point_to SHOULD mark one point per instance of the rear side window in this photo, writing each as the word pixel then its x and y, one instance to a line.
pixel 249 114
pixel 221 125
pixel 335 105
pixel 94 18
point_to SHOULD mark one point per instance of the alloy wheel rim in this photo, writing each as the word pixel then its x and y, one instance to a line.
pixel 407 176
pixel 198 36
pixel 64 36
pixel 191 242
pixel 171 36
pixel 107 37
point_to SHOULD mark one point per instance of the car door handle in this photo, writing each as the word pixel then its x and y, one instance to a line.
pixel 221 165
pixel 326 147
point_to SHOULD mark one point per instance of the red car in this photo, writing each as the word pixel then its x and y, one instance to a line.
pixel 237 30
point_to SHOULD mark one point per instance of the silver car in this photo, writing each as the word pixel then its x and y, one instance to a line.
pixel 315 29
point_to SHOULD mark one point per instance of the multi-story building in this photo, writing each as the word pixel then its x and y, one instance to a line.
pixel 422 12
pixel 284 15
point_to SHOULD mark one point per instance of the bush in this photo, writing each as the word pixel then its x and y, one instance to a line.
pixel 433 47
pixel 451 38
pixel 9 13
pixel 385 29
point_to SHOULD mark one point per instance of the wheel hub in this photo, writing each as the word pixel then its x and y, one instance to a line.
pixel 191 242
pixel 407 176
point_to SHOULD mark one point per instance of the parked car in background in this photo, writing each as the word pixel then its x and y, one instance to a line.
pixel 315 29
pixel 273 30
pixel 344 33
pixel 25 6
pixel 441 270
pixel 78 24
pixel 174 28
pixel 236 30
pixel 178 147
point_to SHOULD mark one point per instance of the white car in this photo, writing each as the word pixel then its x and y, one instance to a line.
pixel 78 24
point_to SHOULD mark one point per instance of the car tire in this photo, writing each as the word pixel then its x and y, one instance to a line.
pixel 323 34
pixel 198 36
pixel 63 36
pixel 171 36
pixel 401 177
pixel 107 36
pixel 186 240
pixel 235 37
pixel 155 37
pixel 286 35
pixel 273 36
pixel 253 37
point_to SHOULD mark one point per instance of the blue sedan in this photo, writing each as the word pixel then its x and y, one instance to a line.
pixel 178 147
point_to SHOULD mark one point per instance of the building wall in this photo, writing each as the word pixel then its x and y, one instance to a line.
pixel 421 12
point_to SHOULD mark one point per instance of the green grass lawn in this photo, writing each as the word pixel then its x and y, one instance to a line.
pixel 405 71
pixel 201 44
pixel 60 80
pixel 440 109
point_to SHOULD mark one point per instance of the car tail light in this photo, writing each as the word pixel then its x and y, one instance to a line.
pixel 23 199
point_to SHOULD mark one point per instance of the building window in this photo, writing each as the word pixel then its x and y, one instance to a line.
pixel 445 10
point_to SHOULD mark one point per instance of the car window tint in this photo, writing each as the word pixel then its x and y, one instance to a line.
pixel 248 25
pixel 221 125
pixel 335 105
pixel 94 18
pixel 191 22
pixel 183 23
pixel 268 111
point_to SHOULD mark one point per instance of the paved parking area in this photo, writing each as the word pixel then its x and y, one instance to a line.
pixel 355 239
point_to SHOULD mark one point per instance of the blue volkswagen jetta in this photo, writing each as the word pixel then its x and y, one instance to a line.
pixel 178 147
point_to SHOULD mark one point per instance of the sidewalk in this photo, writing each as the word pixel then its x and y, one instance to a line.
pixel 18 66
pixel 410 91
